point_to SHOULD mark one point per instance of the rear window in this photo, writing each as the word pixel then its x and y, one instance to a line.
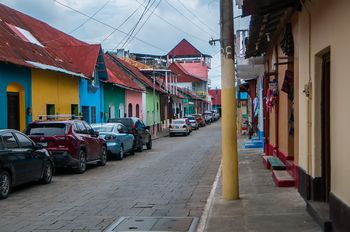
pixel 125 121
pixel 49 129
pixel 104 128
pixel 191 118
pixel 178 122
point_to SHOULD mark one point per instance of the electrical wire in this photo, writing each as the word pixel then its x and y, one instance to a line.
pixel 108 25
pixel 176 27
pixel 194 15
pixel 191 21
pixel 149 16
pixel 138 22
pixel 110 34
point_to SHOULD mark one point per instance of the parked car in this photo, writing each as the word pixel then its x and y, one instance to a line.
pixel 179 126
pixel 117 139
pixel 193 122
pixel 71 143
pixel 208 116
pixel 138 129
pixel 200 119
pixel 215 115
pixel 22 161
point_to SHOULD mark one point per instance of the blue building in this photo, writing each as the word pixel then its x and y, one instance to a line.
pixel 15 96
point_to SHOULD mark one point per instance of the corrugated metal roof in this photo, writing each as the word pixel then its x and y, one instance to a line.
pixel 136 72
pixel 189 69
pixel 117 76
pixel 59 49
pixel 185 49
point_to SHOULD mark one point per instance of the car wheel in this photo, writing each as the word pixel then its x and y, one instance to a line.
pixel 149 144
pixel 140 148
pixel 48 172
pixel 171 134
pixel 120 156
pixel 5 184
pixel 82 162
pixel 103 158
pixel 132 151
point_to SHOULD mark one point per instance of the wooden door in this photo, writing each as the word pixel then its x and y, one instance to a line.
pixel 13 110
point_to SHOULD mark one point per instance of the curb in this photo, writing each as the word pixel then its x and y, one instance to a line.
pixel 209 205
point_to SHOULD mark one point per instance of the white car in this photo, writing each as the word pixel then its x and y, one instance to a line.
pixel 180 126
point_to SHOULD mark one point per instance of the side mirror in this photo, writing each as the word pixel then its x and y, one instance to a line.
pixel 147 127
pixel 96 134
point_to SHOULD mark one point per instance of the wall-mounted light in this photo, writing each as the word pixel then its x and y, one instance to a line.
pixel 29 111
pixel 256 46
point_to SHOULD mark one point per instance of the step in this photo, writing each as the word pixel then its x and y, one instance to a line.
pixel 247 145
pixel 276 163
pixel 266 162
pixel 282 178
pixel 320 213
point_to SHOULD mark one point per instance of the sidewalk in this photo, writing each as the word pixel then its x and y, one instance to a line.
pixel 160 134
pixel 261 207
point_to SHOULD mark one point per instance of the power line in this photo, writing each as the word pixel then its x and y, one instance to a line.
pixel 110 34
pixel 191 21
pixel 177 28
pixel 194 15
pixel 108 25
pixel 149 16
pixel 138 21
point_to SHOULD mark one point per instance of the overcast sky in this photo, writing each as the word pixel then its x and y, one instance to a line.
pixel 170 23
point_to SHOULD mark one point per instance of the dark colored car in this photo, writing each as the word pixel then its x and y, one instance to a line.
pixel 22 161
pixel 72 143
pixel 137 128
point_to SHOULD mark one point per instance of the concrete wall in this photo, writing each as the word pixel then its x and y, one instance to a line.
pixel 330 31
pixel 14 75
pixel 53 88
pixel 150 107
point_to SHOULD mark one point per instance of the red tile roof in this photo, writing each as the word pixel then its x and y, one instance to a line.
pixel 215 96
pixel 184 48
pixel 58 50
pixel 117 76
pixel 136 72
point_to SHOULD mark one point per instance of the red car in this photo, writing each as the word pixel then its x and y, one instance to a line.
pixel 71 143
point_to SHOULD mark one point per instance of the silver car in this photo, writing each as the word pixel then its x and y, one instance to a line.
pixel 193 122
pixel 179 126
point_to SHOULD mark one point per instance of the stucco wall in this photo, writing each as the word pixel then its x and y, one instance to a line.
pixel 53 88
pixel 10 74
pixel 150 107
pixel 134 98
pixel 114 97
pixel 330 30
pixel 91 98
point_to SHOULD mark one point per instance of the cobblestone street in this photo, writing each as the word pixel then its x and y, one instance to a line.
pixel 174 179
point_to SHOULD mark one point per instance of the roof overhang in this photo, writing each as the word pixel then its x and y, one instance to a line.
pixel 55 69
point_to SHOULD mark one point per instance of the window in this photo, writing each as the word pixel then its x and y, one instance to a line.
pixel 93 114
pixel 23 141
pixel 47 129
pixel 74 109
pixel 79 127
pixel 86 113
pixel 50 110
pixel 9 141
pixel 87 126
pixel 130 110
pixel 137 110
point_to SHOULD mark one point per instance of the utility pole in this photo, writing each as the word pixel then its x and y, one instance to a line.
pixel 230 186
pixel 154 104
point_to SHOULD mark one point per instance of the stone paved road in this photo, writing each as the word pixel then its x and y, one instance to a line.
pixel 173 179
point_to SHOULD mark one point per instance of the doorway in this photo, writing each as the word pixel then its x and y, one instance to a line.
pixel 325 126
pixel 13 114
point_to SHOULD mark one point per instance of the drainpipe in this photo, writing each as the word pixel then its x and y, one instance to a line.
pixel 277 106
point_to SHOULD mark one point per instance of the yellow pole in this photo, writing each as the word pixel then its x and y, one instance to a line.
pixel 228 99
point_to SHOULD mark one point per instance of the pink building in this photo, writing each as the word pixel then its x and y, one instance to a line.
pixel 133 100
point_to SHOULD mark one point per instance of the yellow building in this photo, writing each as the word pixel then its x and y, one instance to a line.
pixel 54 93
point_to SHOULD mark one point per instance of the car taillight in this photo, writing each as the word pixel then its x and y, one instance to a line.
pixel 170 126
pixel 184 126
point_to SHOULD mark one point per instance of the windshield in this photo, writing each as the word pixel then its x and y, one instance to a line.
pixel 191 118
pixel 103 128
pixel 48 129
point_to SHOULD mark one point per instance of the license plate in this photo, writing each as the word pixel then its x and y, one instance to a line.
pixel 177 127
pixel 44 144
